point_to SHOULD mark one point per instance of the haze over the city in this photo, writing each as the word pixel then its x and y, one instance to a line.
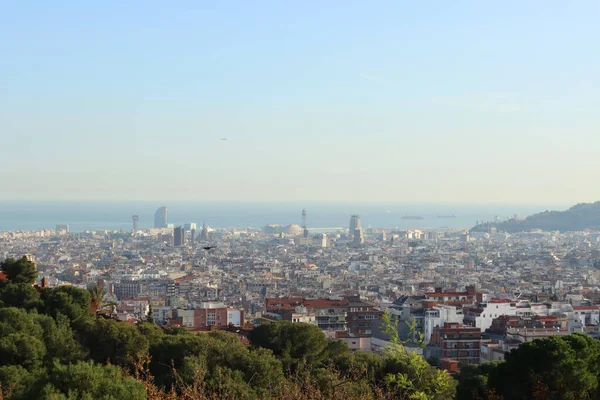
pixel 465 101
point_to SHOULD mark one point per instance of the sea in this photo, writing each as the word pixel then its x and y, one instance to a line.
pixel 116 215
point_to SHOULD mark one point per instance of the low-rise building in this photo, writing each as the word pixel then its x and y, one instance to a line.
pixel 458 342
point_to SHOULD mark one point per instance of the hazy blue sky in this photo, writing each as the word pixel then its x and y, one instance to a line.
pixel 467 101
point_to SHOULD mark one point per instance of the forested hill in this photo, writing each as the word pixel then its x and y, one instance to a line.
pixel 577 218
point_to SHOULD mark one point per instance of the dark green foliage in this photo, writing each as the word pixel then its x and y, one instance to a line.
pixel 22 349
pixel 434 361
pixel 336 348
pixel 153 333
pixel 473 380
pixel 31 328
pixel 67 300
pixel 16 380
pixel 150 316
pixel 176 330
pixel 557 367
pixel 566 365
pixel 86 380
pixel 14 320
pixel 19 271
pixel 296 345
pixel 22 295
pixel 218 354
pixel 370 366
pixel 60 342
pixel 112 341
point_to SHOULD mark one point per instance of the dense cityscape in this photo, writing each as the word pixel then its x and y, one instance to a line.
pixel 496 289
pixel 308 200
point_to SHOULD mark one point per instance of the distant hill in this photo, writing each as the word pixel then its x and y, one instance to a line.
pixel 577 218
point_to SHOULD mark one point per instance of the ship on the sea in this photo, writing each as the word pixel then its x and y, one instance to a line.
pixel 414 217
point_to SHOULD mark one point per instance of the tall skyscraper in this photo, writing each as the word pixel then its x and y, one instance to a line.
pixel 136 223
pixel 354 225
pixel 304 224
pixel 161 217
pixel 204 233
pixel 358 239
pixel 179 236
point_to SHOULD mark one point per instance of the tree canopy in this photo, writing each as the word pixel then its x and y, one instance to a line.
pixel 19 271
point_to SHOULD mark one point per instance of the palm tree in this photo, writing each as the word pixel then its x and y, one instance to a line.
pixel 97 304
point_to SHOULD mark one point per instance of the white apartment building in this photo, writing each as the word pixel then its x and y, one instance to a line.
pixel 586 315
pixel 482 314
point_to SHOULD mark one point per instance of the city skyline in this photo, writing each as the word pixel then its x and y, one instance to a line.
pixel 464 102
pixel 264 200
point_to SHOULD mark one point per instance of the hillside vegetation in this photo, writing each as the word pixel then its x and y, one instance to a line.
pixel 577 218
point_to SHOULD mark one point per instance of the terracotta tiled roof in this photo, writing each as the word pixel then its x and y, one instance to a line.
pixel 325 303
pixel 581 308
pixel 3 276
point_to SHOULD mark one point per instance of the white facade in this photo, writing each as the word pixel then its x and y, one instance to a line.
pixel 160 314
pixel 437 316
pixel 586 315
pixel 187 317
pixel 483 314
pixel 234 317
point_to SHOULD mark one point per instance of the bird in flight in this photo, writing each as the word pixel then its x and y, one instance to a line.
pixel 223 138
pixel 208 247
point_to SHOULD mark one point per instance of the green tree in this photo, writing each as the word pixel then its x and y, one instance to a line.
pixel 59 339
pixel 17 320
pixel 97 303
pixel 368 366
pixel 67 300
pixel 410 376
pixel 153 333
pixel 19 271
pixel 150 316
pixel 86 380
pixel 296 345
pixel 16 380
pixel 113 341
pixel 473 381
pixel 22 349
pixel 336 348
pixel 566 366
pixel 22 295
pixel 213 354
